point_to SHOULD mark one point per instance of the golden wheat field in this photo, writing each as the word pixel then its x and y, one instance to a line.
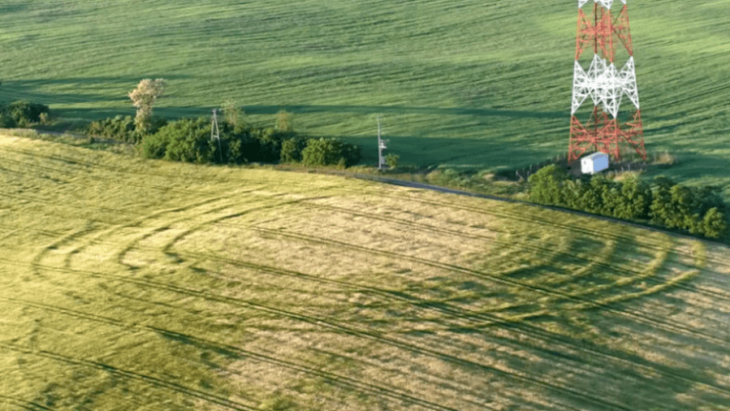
pixel 128 284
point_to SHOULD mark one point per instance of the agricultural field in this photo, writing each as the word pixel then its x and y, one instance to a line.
pixel 146 285
pixel 462 83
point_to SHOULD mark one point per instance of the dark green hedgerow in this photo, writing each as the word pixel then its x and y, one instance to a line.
pixel 697 210
pixel 189 140
pixel 22 113
pixel 122 128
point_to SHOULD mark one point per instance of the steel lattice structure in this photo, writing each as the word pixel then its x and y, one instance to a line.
pixel 604 84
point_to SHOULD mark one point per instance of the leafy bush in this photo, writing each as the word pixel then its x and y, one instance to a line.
pixel 689 208
pixel 269 142
pixel 714 224
pixel 23 112
pixel 122 128
pixel 186 140
pixel 546 185
pixel 634 201
pixel 392 160
pixel 6 121
pixel 189 140
pixel 291 150
pixel 696 210
pixel 330 151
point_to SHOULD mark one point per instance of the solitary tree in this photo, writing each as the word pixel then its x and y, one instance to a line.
pixel 143 98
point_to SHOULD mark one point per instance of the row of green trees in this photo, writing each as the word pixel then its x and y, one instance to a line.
pixel 697 210
pixel 189 140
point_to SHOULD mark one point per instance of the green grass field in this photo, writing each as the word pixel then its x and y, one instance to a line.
pixel 460 82
pixel 129 284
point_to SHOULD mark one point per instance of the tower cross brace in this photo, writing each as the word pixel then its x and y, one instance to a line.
pixel 605 84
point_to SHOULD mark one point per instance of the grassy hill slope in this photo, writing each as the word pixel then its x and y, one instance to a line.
pixel 459 82
pixel 132 284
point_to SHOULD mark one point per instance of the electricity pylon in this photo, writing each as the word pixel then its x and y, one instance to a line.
pixel 604 84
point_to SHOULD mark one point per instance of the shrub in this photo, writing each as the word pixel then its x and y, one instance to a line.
pixel 122 128
pixel 269 143
pixel 186 140
pixel 392 160
pixel 634 201
pixel 6 121
pixel 291 150
pixel 24 112
pixel 714 225
pixel 696 210
pixel 240 148
pixel 189 140
pixel 154 146
pixel 117 128
pixel 329 151
pixel 44 118
pixel 546 185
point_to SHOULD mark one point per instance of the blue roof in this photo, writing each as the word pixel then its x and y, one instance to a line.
pixel 596 155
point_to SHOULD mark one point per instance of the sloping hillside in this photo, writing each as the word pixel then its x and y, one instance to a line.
pixel 459 82
pixel 131 284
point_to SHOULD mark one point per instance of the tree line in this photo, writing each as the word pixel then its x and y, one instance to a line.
pixel 189 139
pixel 697 210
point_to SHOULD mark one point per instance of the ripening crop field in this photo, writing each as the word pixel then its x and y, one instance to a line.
pixel 131 284
pixel 464 83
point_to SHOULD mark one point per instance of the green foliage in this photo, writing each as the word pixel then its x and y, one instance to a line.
pixel 546 185
pixel 186 140
pixel 696 210
pixel 269 141
pixel 634 201
pixel 189 140
pixel 330 151
pixel 689 208
pixel 117 128
pixel 714 224
pixel 392 160
pixel 122 128
pixel 279 65
pixel 25 113
pixel 291 150
pixel 6 121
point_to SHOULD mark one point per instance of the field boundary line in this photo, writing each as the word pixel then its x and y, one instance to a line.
pixel 447 190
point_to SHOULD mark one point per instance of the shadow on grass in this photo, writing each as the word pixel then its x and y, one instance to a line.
pixel 362 109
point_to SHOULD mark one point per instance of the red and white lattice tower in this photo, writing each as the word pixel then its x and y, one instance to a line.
pixel 606 34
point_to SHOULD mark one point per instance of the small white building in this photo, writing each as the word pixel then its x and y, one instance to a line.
pixel 594 163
